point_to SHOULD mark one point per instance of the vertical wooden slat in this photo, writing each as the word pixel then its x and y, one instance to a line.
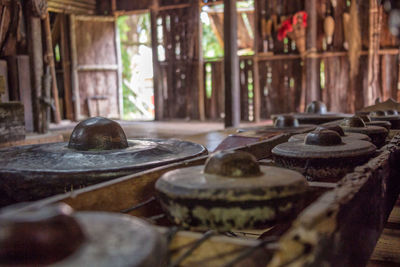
pixel 50 62
pixel 311 64
pixel 74 66
pixel 158 95
pixel 66 67
pixel 119 64
pixel 231 60
pixel 36 54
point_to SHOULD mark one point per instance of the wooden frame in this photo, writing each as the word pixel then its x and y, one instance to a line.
pixel 336 228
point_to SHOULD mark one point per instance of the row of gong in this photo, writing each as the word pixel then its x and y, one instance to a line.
pixel 232 191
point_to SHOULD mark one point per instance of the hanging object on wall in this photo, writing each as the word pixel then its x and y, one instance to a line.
pixel 334 3
pixel 39 8
pixel 346 25
pixel 354 39
pixel 329 29
pixel 295 28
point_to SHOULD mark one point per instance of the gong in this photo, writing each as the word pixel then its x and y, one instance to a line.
pixel 97 151
pixel 316 113
pixel 56 236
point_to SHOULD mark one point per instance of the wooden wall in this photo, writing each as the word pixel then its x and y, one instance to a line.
pixel 97 66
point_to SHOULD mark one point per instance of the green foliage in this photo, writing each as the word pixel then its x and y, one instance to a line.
pixel 211 46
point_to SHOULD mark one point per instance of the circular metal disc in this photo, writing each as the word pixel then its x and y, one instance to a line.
pixel 193 183
pixel 58 158
pixel 347 149
pixel 346 138
pixel 116 240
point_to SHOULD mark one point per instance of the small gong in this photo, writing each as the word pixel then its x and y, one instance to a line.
pixel 54 235
pixel 231 192
pixel 368 122
pixel 391 116
pixel 283 123
pixel 336 128
pixel 357 125
pixel 98 150
pixel 323 155
pixel 316 113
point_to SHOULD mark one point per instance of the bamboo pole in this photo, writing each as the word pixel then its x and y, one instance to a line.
pixel 74 64
pixel 50 62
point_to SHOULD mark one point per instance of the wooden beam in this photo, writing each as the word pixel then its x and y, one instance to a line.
pixel 231 61
pixel 312 90
pixel 50 62
pixel 158 96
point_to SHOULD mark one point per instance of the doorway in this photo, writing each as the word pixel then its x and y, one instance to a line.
pixel 137 61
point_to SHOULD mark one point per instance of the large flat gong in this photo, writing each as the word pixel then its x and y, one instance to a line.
pixel 36 171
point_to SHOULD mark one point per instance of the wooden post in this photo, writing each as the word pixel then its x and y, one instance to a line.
pixel 50 62
pixel 120 69
pixel 200 64
pixel 375 23
pixel 312 91
pixel 158 96
pixel 231 65
pixel 66 65
pixel 256 72
pixel 74 63
pixel 36 54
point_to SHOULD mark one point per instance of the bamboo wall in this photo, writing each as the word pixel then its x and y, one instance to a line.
pixel 277 70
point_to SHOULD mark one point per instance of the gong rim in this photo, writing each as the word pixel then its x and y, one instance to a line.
pixel 299 149
pixel 11 163
pixel 346 138
pixel 193 183
pixel 112 239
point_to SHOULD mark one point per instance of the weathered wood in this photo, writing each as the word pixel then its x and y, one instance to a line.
pixel 72 6
pixel 11 122
pixel 4 88
pixel 375 22
pixel 231 69
pixel 119 68
pixel 36 54
pixel 311 64
pixel 50 61
pixel 74 64
pixel 34 139
pixel 66 67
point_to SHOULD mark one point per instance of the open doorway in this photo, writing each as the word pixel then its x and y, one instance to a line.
pixel 137 76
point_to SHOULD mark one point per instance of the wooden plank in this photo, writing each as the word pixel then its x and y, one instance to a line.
pixel 231 63
pixel 388 247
